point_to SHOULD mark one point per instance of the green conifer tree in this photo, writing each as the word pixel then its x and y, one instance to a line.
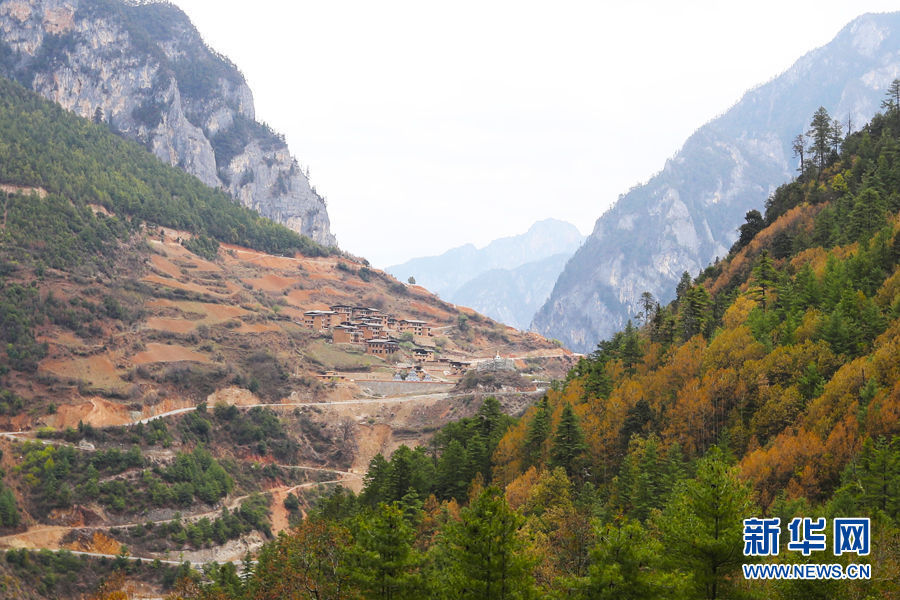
pixel 375 483
pixel 483 555
pixel 627 564
pixel 872 481
pixel 400 473
pixel 694 312
pixel 702 524
pixel 631 348
pixel 452 472
pixel 568 445
pixel 9 513
pixel 537 432
pixel 820 133
pixel 891 102
pixel 382 563
pixel 765 276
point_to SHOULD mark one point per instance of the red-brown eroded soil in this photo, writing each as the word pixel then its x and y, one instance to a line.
pixel 167 353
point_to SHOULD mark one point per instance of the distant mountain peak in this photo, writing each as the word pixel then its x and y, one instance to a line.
pixel 464 274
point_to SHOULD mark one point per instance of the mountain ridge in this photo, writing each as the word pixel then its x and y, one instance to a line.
pixel 690 210
pixel 513 295
pixel 459 274
pixel 145 70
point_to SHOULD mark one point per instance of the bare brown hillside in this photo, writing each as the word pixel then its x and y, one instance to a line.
pixel 189 327
pixel 147 356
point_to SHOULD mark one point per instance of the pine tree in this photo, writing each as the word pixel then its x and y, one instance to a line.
pixel 836 136
pixel 662 329
pixel 837 334
pixel 9 513
pixel 568 445
pixel 674 469
pixel 866 215
pixel 492 423
pixel 631 348
pixel 891 103
pixel 382 562
pixel 482 554
pixel 452 472
pixel 799 147
pixel 753 224
pixel 375 482
pixel 702 524
pixel 647 493
pixel 820 133
pixel 693 311
pixel 536 434
pixel 648 307
pixel 478 460
pixel 401 474
pixel 637 417
pixel 597 382
pixel 627 564
pixel 684 284
pixel 873 480
pixel 765 276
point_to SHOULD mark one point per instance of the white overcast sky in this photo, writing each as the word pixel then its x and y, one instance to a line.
pixel 429 125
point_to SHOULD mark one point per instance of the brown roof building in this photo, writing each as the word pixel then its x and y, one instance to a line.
pixel 344 311
pixel 371 330
pixel 346 334
pixel 381 346
pixel 361 312
pixel 318 319
pixel 414 326
pixel 423 354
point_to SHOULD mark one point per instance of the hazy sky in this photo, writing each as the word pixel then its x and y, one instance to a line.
pixel 428 125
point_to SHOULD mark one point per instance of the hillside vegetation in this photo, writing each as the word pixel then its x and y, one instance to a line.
pixel 769 387
pixel 129 291
pixel 81 163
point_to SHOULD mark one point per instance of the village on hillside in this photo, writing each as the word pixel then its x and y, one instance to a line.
pixel 388 337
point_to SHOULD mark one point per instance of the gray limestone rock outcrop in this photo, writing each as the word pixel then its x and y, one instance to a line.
pixel 688 214
pixel 145 70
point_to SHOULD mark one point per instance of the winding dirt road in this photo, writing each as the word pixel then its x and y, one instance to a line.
pixel 50 536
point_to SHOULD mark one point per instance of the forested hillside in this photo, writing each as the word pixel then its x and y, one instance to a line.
pixel 81 163
pixel 143 69
pixel 769 387
pixel 163 400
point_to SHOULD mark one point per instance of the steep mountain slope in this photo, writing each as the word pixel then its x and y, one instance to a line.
pixel 144 70
pixel 86 215
pixel 132 297
pixel 688 214
pixel 459 275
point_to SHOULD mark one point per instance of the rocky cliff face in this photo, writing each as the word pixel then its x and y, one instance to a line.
pixel 688 214
pixel 144 69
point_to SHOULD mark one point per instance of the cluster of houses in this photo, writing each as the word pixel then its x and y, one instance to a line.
pixel 369 326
